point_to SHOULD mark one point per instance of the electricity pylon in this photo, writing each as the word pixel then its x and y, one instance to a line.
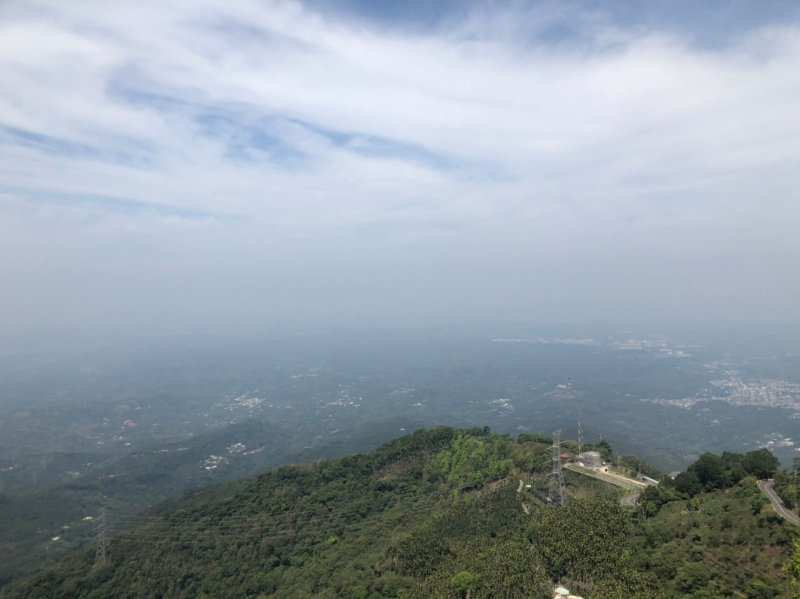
pixel 555 480
pixel 101 552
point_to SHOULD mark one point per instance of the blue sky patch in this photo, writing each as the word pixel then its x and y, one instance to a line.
pixel 109 203
pixel 137 156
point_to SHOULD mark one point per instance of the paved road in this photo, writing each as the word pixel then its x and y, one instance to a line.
pixel 777 502
pixel 609 477
pixel 633 487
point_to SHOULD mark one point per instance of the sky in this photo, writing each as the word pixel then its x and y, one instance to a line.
pixel 216 166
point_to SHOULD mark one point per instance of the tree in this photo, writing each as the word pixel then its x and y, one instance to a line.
pixel 794 565
pixel 710 471
pixel 692 577
pixel 758 589
pixel 464 582
pixel 472 461
pixel 653 498
pixel 688 483
pixel 760 463
pixel 757 504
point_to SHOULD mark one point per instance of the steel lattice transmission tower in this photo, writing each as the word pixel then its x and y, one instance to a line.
pixel 555 480
pixel 101 552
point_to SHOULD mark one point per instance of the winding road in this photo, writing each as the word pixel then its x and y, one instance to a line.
pixel 766 487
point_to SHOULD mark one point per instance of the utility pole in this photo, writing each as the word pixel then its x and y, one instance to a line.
pixel 101 552
pixel 555 480
pixel 580 438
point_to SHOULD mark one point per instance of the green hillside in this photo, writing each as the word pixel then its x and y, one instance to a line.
pixel 130 484
pixel 442 513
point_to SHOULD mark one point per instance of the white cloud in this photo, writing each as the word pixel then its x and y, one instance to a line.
pixel 342 140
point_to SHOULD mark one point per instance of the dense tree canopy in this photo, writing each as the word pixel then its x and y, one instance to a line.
pixel 440 514
pixel 712 471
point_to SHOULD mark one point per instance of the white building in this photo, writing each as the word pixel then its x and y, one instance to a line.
pixel 561 592
pixel 591 459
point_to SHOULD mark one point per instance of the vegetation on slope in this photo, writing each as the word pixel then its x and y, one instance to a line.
pixel 712 472
pixel 437 514
pixel 129 485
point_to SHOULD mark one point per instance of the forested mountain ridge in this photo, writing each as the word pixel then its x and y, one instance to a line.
pixel 132 483
pixel 442 513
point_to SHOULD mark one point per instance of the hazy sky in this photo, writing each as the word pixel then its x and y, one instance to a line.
pixel 179 165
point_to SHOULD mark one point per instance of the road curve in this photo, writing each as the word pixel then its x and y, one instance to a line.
pixel 777 502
